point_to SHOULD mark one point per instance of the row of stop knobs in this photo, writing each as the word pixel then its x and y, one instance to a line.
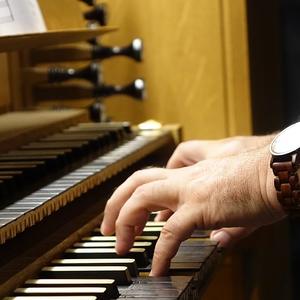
pixel 54 82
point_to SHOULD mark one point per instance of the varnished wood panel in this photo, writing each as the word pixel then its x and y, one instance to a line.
pixel 236 58
pixel 62 14
pixel 4 78
pixel 192 75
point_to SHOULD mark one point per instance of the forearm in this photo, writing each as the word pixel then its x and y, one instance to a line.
pixel 238 144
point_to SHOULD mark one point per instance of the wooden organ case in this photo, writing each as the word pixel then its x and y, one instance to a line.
pixel 44 222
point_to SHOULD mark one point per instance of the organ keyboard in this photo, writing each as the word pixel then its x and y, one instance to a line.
pixel 51 203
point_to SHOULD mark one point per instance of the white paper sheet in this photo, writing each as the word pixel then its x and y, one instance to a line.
pixel 20 16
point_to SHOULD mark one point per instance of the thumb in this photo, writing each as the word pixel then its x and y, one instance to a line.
pixel 229 236
pixel 163 215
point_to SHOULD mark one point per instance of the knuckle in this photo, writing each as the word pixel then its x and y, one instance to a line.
pixel 140 176
pixel 140 192
pixel 167 233
pixel 136 176
pixel 108 205
pixel 180 148
pixel 158 255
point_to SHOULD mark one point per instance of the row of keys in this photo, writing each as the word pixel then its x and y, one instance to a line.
pixel 19 211
pixel 36 160
pixel 92 268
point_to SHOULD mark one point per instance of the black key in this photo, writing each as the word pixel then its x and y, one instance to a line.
pixel 3 189
pixel 169 287
pixel 152 230
pixel 145 291
pixel 30 170
pixel 152 216
pixel 40 165
pixel 125 126
pixel 17 175
pixel 189 256
pixel 148 297
pixel 199 242
pixel 112 238
pixel 139 238
pixel 111 137
pixel 65 155
pixel 51 161
pixel 201 233
pixel 9 183
pixel 78 149
pixel 103 138
pixel 187 268
pixel 197 254
pixel 96 141
pixel 195 269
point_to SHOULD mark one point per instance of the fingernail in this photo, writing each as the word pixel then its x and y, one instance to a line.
pixel 101 227
pixel 103 230
pixel 222 237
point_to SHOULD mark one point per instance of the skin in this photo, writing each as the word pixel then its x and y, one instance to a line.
pixel 226 186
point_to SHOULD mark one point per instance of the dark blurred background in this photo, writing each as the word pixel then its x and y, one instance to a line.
pixel 274 49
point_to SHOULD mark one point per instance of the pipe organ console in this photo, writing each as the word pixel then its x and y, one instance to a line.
pixel 63 151
pixel 52 193
pixel 58 168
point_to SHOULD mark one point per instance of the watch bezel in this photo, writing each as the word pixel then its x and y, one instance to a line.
pixel 286 141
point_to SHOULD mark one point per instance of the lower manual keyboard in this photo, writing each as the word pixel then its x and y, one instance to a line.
pixel 104 275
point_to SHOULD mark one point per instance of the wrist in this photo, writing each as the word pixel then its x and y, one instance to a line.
pixel 285 162
pixel 267 187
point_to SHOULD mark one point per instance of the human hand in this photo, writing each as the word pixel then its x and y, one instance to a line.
pixel 191 152
pixel 226 192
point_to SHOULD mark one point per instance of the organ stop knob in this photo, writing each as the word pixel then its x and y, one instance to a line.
pixel 99 13
pixel 136 90
pixel 87 52
pixel 56 74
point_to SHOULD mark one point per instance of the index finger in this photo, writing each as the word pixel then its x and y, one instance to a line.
pixel 124 192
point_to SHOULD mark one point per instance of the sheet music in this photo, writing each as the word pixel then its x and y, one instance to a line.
pixel 20 16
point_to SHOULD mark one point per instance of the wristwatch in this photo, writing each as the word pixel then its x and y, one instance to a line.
pixel 285 161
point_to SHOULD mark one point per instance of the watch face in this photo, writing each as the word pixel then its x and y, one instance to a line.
pixel 286 141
